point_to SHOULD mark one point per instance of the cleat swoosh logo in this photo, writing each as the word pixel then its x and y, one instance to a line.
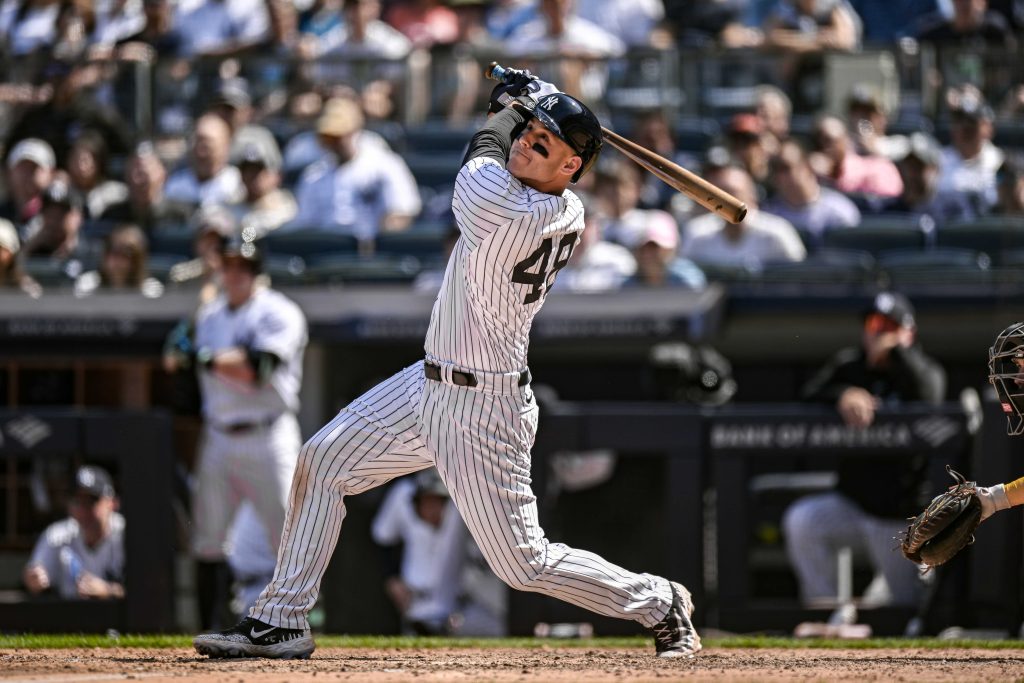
pixel 259 634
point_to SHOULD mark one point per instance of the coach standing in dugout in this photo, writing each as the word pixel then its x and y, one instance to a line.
pixel 249 344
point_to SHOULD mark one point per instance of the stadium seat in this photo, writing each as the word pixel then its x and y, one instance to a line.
pixel 49 272
pixel 715 272
pixel 994 235
pixel 434 169
pixel 827 266
pixel 695 134
pixel 172 241
pixel 876 234
pixel 424 241
pixel 309 242
pixel 159 265
pixel 437 138
pixel 934 267
pixel 285 269
pixel 344 268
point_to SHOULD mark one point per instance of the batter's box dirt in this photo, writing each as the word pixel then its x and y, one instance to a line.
pixel 506 664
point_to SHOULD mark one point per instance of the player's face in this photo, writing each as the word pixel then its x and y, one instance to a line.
pixel 1019 379
pixel 541 160
pixel 430 509
pixel 238 281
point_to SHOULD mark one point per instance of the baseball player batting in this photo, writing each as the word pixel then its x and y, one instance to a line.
pixel 468 408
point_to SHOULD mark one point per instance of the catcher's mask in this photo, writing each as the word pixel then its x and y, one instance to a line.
pixel 575 124
pixel 1006 374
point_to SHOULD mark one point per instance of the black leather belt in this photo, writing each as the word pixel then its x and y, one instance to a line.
pixel 465 379
pixel 238 428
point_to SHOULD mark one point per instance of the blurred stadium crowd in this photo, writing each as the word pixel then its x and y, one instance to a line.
pixel 139 136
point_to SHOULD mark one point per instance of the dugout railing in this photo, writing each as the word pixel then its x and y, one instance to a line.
pixel 718 507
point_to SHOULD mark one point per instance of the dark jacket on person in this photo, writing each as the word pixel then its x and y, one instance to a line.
pixel 884 486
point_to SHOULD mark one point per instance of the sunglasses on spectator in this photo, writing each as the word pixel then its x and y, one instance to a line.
pixel 876 323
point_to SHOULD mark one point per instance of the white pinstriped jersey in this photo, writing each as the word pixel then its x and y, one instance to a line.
pixel 270 322
pixel 514 241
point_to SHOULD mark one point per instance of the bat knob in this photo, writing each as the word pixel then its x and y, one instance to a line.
pixel 741 213
pixel 495 72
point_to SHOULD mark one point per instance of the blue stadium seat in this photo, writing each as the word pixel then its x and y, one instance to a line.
pixel 309 242
pixel 437 138
pixel 47 271
pixel 934 267
pixel 876 234
pixel 172 241
pixel 425 241
pixel 695 134
pixel 826 266
pixel 993 235
pixel 434 169
pixel 159 265
pixel 345 268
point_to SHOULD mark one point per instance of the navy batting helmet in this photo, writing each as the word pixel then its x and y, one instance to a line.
pixel 1006 373
pixel 574 124
pixel 245 251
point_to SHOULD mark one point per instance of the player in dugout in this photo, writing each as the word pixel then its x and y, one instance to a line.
pixel 468 407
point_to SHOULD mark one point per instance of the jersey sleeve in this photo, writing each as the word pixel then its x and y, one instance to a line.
pixel 280 329
pixel 487 197
pixel 46 555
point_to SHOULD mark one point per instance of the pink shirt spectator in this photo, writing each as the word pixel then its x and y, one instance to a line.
pixel 868 175
pixel 425 23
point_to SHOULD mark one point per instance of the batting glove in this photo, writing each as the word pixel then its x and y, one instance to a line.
pixel 522 84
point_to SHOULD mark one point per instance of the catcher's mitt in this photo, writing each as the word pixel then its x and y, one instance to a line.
pixel 946 526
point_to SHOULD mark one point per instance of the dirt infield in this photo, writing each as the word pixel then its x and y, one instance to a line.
pixel 542 664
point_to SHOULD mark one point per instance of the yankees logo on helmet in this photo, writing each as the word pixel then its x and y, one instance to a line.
pixel 549 103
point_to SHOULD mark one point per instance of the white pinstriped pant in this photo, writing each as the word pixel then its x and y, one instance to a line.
pixel 257 467
pixel 480 443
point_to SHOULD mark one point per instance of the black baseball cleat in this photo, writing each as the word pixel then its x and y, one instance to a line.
pixel 253 638
pixel 675 636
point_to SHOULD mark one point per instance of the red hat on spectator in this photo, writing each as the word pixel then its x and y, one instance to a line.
pixel 746 125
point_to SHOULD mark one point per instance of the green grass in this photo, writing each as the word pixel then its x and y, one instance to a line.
pixel 39 642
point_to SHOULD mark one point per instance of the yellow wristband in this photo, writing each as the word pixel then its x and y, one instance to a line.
pixel 1015 492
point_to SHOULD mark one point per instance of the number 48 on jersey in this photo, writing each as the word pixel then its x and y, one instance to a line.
pixel 541 279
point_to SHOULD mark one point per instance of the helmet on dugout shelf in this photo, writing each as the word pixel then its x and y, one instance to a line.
pixel 1006 374
pixel 574 124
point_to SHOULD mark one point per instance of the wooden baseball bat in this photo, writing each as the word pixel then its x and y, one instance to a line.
pixel 711 197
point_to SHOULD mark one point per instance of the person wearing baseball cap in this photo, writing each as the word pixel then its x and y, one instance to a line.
pixel 873 496
pixel 919 167
pixel 868 117
pixel 30 166
pixel 266 206
pixel 745 139
pixel 343 191
pixel 657 263
pixel 424 547
pixel 146 205
pixel 56 230
pixel 82 556
pixel 970 161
